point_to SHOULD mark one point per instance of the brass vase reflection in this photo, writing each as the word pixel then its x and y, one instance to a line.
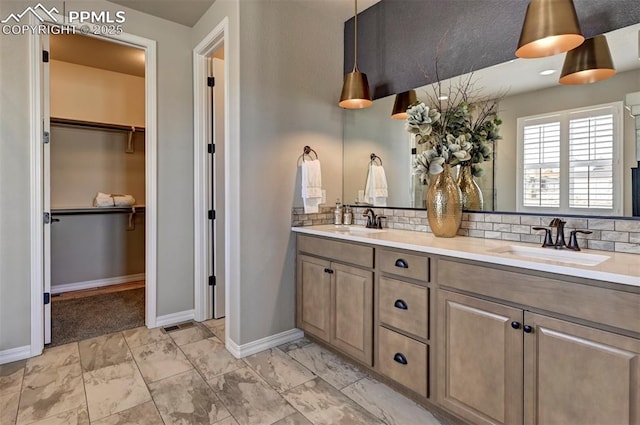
pixel 444 209
pixel 471 195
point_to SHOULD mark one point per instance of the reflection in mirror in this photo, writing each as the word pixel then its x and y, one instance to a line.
pixel 531 92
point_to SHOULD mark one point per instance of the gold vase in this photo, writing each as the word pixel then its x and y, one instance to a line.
pixel 471 195
pixel 444 209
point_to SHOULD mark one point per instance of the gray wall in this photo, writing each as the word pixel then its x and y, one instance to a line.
pixel 14 190
pixel 95 246
pixel 175 168
pixel 288 86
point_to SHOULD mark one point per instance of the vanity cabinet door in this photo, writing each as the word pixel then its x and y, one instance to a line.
pixel 579 375
pixel 352 316
pixel 314 296
pixel 480 359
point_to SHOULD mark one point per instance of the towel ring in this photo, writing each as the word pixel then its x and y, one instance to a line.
pixel 306 151
pixel 374 157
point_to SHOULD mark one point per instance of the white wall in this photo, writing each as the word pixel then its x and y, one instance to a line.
pixel 557 99
pixel 175 168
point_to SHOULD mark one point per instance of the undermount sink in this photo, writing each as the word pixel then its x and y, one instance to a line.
pixel 563 256
pixel 358 229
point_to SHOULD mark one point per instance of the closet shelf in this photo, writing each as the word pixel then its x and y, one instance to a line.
pixel 97 210
pixel 64 122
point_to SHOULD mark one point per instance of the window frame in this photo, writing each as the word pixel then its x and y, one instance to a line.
pixel 564 117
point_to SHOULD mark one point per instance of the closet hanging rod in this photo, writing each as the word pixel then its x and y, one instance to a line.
pixel 94 125
pixel 97 210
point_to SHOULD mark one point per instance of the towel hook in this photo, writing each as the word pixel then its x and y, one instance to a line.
pixel 373 157
pixel 306 151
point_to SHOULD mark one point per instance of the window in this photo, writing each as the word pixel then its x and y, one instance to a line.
pixel 568 161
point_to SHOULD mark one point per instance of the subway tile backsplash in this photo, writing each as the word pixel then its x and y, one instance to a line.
pixel 607 234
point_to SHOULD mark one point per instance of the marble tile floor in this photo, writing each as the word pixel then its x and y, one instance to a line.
pixel 148 377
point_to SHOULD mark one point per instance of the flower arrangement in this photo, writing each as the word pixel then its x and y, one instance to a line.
pixel 460 131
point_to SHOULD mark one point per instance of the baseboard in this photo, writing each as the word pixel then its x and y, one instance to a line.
pixel 173 318
pixel 79 286
pixel 244 350
pixel 15 354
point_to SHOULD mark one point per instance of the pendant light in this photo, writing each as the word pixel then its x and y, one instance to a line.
pixel 355 90
pixel 402 103
pixel 550 27
pixel 588 63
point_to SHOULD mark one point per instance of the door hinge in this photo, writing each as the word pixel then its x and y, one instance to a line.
pixel 46 137
pixel 414 151
pixel 212 214
pixel 212 281
pixel 211 148
pixel 45 56
pixel 46 218
pixel 47 298
pixel 211 81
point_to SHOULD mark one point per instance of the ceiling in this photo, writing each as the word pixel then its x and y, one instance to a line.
pixel 97 53
pixel 185 12
pixel 188 12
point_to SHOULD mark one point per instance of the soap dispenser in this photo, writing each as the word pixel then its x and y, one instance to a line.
pixel 338 213
pixel 348 216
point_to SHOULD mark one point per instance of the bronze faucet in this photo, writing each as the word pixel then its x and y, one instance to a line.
pixel 373 221
pixel 560 242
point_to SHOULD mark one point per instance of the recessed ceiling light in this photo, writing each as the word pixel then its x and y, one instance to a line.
pixel 443 97
pixel 548 72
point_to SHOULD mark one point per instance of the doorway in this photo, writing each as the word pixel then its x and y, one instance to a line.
pixel 96 185
pixel 211 156
pixel 139 218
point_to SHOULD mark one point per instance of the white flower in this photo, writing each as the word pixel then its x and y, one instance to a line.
pixel 419 119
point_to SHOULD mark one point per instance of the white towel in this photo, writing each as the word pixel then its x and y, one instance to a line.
pixel 311 185
pixel 375 190
pixel 113 200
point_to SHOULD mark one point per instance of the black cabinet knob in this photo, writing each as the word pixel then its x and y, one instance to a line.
pixel 328 271
pixel 400 358
pixel 527 329
pixel 402 263
pixel 401 304
pixel 515 325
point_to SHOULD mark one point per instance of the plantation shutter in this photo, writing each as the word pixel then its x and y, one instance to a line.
pixel 541 165
pixel 591 142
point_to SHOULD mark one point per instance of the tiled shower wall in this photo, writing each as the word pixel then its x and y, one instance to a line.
pixel 616 235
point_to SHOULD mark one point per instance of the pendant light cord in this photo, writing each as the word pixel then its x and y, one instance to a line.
pixel 355 37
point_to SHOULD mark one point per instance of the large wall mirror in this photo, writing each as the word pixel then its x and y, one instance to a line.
pixel 528 94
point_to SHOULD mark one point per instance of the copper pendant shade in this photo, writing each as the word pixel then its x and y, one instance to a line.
pixel 588 63
pixel 402 103
pixel 355 90
pixel 550 27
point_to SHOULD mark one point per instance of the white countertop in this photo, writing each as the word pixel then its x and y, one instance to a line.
pixel 618 268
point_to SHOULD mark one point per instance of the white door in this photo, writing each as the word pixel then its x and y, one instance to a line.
pixel 216 193
pixel 46 176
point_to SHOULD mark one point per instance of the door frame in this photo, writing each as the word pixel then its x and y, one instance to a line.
pixel 218 37
pixel 36 209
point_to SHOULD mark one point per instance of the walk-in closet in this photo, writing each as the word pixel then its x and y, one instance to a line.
pixel 96 187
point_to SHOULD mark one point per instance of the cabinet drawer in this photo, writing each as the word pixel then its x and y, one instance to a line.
pixel 403 264
pixel 403 359
pixel 404 306
pixel 340 251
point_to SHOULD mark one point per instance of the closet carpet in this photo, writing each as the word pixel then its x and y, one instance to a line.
pixel 82 318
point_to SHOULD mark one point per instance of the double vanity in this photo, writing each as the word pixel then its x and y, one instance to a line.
pixel 489 331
